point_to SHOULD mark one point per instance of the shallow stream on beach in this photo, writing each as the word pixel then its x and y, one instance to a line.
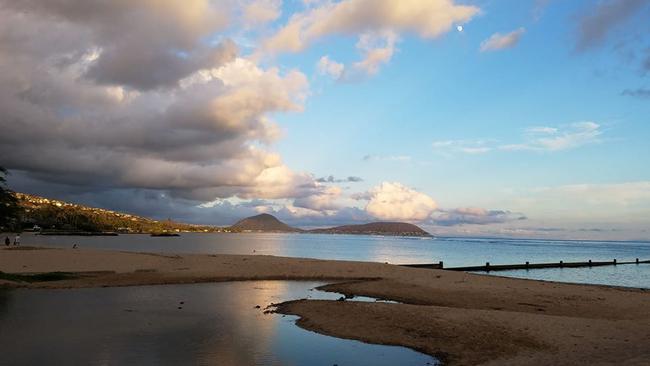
pixel 200 324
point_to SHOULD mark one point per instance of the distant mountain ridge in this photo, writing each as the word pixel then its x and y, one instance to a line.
pixel 262 223
pixel 269 223
pixel 376 228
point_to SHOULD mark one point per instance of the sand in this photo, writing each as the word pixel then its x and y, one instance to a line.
pixel 464 319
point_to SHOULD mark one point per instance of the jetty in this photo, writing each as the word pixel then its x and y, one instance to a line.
pixel 487 267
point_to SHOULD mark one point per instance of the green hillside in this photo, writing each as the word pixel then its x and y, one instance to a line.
pixel 54 215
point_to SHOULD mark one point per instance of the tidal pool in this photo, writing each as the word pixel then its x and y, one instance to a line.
pixel 200 324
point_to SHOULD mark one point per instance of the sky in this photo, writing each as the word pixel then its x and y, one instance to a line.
pixel 508 118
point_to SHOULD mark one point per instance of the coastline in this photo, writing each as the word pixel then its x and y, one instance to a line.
pixel 462 318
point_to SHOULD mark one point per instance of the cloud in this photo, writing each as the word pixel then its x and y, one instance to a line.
pixel 428 19
pixel 394 201
pixel 553 139
pixel 302 217
pixel 326 199
pixel 624 194
pixel 259 12
pixel 328 67
pixel 164 42
pixel 623 205
pixel 594 27
pixel 499 41
pixel 638 93
pixel 377 23
pixel 162 109
pixel 320 210
pixel 474 216
pixel 538 138
pixel 542 130
pixel 449 147
pixel 378 48
pixel 331 179
pixel 398 158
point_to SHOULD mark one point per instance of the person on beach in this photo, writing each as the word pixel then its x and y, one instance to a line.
pixel 7 241
pixel 17 239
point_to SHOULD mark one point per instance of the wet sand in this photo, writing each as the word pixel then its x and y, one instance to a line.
pixel 464 319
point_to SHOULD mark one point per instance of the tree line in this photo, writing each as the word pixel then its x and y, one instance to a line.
pixel 9 209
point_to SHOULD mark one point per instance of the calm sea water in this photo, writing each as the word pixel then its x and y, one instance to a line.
pixel 217 325
pixel 398 250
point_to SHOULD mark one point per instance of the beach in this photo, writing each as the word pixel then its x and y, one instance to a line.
pixel 461 318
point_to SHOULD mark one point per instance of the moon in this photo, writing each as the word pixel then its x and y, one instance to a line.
pixel 460 28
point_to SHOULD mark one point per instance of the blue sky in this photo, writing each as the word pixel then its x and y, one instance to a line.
pixel 498 118
pixel 447 89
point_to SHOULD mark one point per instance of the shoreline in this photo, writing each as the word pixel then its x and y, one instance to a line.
pixel 461 318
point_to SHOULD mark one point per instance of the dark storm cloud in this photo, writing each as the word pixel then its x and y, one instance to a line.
pixel 154 204
pixel 144 44
pixel 475 216
pixel 118 65
pixel 139 95
pixel 601 19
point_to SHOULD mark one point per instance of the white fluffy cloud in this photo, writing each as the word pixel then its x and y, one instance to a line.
pixel 428 19
pixel 377 49
pixel 377 23
pixel 326 66
pixel 499 41
pixel 326 199
pixel 394 201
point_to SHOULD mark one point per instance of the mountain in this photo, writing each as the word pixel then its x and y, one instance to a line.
pixel 263 223
pixel 56 216
pixel 376 228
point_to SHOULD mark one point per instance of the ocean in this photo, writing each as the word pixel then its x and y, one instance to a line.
pixel 453 251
